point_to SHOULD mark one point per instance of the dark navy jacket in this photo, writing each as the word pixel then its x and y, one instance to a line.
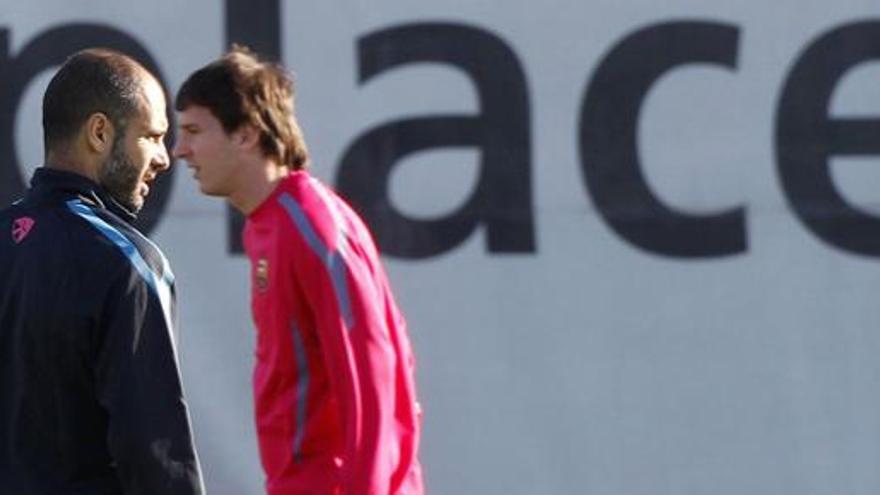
pixel 90 391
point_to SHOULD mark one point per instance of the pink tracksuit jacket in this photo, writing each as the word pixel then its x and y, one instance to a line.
pixel 334 387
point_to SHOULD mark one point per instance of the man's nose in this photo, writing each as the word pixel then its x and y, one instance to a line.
pixel 163 162
pixel 180 150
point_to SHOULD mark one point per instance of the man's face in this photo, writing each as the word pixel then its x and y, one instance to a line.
pixel 138 155
pixel 210 152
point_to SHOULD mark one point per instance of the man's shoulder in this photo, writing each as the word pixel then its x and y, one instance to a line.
pixel 303 197
pixel 318 215
pixel 48 224
pixel 122 238
pixel 313 196
pixel 98 237
pixel 54 241
pixel 302 184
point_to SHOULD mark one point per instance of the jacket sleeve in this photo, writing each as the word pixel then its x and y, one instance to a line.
pixel 138 383
pixel 347 303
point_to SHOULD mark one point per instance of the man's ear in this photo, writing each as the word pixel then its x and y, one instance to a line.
pixel 246 136
pixel 99 133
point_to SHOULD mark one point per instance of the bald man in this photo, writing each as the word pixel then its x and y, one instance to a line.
pixel 91 395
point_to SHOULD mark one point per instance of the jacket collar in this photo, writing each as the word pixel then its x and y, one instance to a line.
pixel 62 180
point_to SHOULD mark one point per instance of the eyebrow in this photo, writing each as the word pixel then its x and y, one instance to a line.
pixel 157 127
pixel 156 131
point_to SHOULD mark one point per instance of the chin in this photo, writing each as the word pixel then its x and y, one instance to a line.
pixel 132 204
pixel 135 203
pixel 207 191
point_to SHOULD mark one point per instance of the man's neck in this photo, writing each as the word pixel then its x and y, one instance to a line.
pixel 258 188
pixel 68 163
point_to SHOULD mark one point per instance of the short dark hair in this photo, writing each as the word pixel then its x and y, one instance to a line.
pixel 238 89
pixel 90 81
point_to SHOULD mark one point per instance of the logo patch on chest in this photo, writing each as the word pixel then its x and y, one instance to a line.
pixel 21 227
pixel 261 274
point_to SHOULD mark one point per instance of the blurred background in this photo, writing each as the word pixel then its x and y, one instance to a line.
pixel 636 242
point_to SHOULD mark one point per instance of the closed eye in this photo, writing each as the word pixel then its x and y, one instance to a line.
pixel 189 129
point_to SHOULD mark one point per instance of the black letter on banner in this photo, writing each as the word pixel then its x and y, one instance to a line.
pixel 609 154
pixel 806 138
pixel 502 199
pixel 48 50
pixel 256 24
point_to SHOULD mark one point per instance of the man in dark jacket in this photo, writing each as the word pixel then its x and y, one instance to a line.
pixel 90 392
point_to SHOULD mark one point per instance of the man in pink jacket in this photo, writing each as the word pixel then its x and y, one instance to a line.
pixel 334 387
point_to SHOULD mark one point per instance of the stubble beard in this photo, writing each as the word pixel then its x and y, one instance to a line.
pixel 120 178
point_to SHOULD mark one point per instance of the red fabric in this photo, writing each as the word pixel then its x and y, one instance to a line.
pixel 334 385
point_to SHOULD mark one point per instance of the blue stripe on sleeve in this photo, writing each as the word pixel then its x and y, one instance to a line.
pixel 302 391
pixel 333 260
pixel 161 286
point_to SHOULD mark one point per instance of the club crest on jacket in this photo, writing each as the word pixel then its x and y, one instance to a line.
pixel 261 275
pixel 21 228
